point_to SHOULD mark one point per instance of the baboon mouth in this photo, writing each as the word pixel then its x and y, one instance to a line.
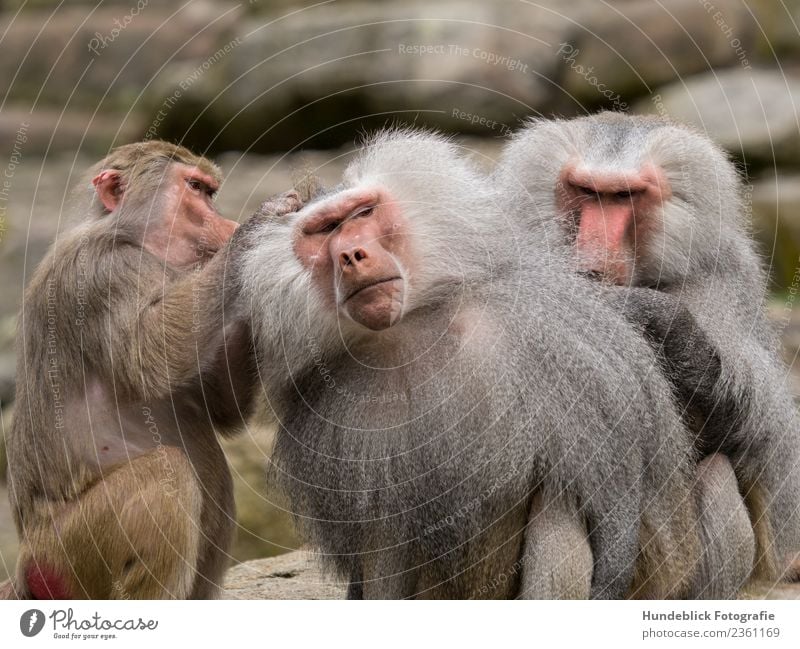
pixel 364 287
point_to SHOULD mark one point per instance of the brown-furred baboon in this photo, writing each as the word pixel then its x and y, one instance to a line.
pixel 649 204
pixel 440 377
pixel 117 482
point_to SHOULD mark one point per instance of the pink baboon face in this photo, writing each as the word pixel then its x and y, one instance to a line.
pixel 613 215
pixel 356 246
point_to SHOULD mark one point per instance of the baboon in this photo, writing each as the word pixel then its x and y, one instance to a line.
pixel 118 484
pixel 649 204
pixel 440 377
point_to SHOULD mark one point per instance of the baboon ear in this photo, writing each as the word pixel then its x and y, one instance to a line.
pixel 108 186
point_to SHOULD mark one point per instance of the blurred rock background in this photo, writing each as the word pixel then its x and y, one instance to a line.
pixel 268 87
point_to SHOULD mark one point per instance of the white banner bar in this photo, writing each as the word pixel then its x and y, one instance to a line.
pixel 389 625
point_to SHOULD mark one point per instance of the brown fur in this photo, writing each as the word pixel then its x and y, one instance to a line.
pixel 765 562
pixel 117 481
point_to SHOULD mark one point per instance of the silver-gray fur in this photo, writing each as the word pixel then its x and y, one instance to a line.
pixel 411 456
pixel 703 255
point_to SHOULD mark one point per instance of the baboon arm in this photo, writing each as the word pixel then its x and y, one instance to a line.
pixel 184 329
pixel 180 333
pixel 687 355
pixel 148 330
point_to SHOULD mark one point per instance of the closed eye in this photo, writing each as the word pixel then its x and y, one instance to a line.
pixel 364 211
pixel 586 191
pixel 328 227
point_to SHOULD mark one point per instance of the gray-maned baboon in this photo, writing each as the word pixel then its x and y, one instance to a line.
pixel 441 378
pixel 118 484
pixel 647 203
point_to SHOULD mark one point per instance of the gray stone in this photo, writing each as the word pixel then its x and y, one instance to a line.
pixel 271 75
pixel 53 129
pixel 463 66
pixel 628 49
pixel 296 575
pixel 103 56
pixel 767 590
pixel 752 113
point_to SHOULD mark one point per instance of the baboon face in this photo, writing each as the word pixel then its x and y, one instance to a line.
pixel 612 214
pixel 184 227
pixel 356 246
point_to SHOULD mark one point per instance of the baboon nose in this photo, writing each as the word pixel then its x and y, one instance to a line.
pixel 352 258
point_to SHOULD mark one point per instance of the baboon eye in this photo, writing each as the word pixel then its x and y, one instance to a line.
pixel 329 227
pixel 194 184
pixel 364 211
pixel 586 191
pixel 627 195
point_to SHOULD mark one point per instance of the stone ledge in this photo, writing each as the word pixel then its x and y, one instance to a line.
pixel 297 575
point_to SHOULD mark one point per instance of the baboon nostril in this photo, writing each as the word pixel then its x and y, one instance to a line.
pixel 359 255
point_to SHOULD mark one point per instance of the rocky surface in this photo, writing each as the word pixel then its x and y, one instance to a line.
pixel 298 575
pixel 752 113
pixel 269 76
